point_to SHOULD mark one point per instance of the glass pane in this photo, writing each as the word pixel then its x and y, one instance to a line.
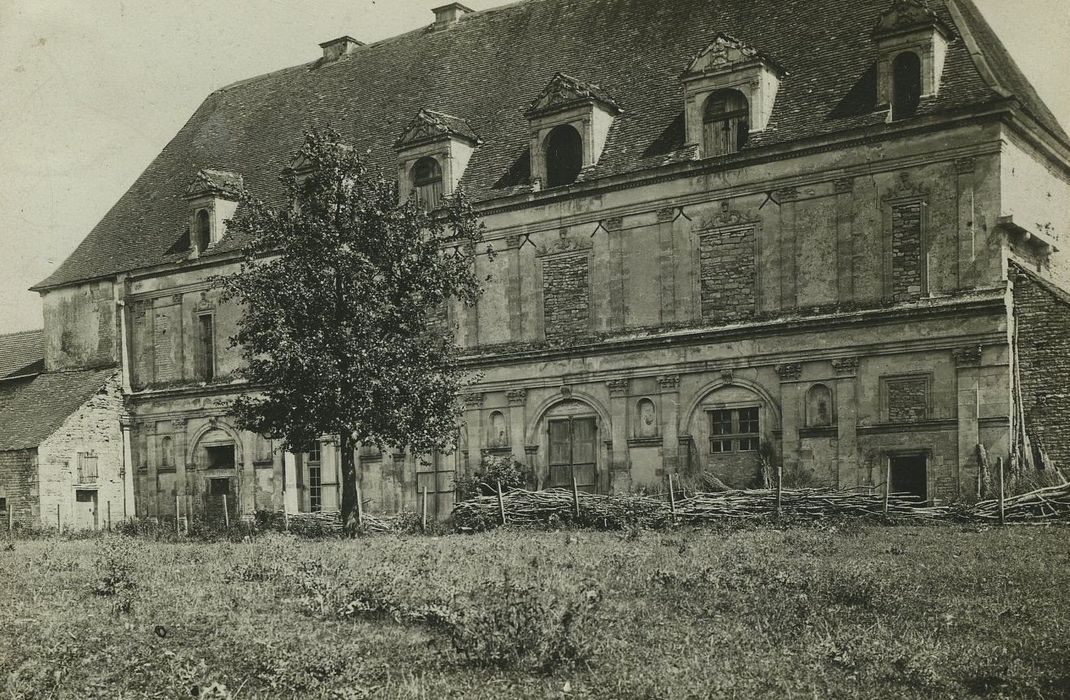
pixel 721 422
pixel 748 420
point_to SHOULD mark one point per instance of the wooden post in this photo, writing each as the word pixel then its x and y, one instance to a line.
pixel 779 487
pixel 501 503
pixel 672 499
pixel 423 510
pixel 59 524
pixel 575 498
pixel 226 513
pixel 285 517
pixel 178 509
pixel 887 485
pixel 10 517
pixel 360 506
pixel 1002 511
pixel 109 516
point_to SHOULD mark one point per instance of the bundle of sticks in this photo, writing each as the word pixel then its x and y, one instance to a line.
pixel 1043 504
pixel 332 520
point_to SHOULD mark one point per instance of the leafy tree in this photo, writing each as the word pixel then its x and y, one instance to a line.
pixel 343 289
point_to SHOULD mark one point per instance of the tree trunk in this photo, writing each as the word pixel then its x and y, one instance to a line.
pixel 350 520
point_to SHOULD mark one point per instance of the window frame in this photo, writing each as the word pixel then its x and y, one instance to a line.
pixel 905 110
pixel 200 231
pixel 420 185
pixel 733 441
pixel 315 477
pixel 738 119
pixel 549 142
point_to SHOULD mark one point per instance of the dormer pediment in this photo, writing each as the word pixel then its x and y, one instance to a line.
pixel 726 54
pixel 429 126
pixel 909 16
pixel 220 184
pixel 564 92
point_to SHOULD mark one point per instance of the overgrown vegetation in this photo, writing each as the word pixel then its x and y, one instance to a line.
pixel 493 473
pixel 829 610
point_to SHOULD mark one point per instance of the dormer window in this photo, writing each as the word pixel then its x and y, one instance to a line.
pixel 729 92
pixel 912 42
pixel 906 85
pixel 564 155
pixel 725 123
pixel 202 232
pixel 427 183
pixel 570 122
pixel 433 153
pixel 213 198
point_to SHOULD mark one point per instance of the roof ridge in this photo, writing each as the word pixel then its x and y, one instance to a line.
pixel 14 333
pixel 1061 295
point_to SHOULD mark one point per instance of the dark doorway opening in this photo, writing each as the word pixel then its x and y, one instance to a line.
pixel 909 475
pixel 221 500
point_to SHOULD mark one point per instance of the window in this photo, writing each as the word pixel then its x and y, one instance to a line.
pixel 564 156
pixel 3 504
pixel 315 478
pixel 202 236
pixel 725 123
pixel 906 85
pixel 220 456
pixel 87 467
pixel 427 183
pixel 734 430
pixel 206 347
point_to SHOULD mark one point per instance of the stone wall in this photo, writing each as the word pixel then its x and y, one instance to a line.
pixel 93 428
pixel 81 327
pixel 18 486
pixel 906 252
pixel 566 297
pixel 728 274
pixel 1043 315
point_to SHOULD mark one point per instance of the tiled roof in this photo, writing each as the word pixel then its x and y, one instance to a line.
pixel 32 409
pixel 488 68
pixel 22 353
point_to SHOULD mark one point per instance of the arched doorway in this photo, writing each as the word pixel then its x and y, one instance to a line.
pixel 731 426
pixel 571 434
pixel 216 456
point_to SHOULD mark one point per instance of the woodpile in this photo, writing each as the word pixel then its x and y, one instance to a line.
pixel 559 506
pixel 331 521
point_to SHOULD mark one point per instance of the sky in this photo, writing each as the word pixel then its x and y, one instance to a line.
pixel 92 90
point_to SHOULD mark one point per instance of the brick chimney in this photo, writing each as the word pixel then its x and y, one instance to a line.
pixel 448 15
pixel 336 48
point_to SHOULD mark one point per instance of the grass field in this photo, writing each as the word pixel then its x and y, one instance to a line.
pixel 848 611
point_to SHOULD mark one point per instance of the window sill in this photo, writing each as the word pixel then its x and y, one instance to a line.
pixel 655 441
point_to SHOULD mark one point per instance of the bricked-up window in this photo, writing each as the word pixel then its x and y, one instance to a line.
pixel 906 85
pixel 202 234
pixel 427 183
pixel 566 296
pixel 87 466
pixel 206 347
pixel 315 478
pixel 726 263
pixel 725 123
pixel 906 399
pixel 564 156
pixel 907 264
pixel 734 430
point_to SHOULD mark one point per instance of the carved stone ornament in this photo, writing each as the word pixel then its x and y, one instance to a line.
pixel 474 400
pixel 844 185
pixel 907 14
pixel 726 376
pixel 969 356
pixel 614 223
pixel 727 216
pixel 178 425
pixel 176 298
pixel 428 126
pixel 845 365
pixel 906 188
pixel 564 90
pixel 617 387
pixel 787 194
pixel 513 241
pixel 566 392
pixel 204 303
pixel 669 382
pixel 566 244
pixel 724 53
pixel 517 397
pixel 667 214
pixel 789 371
pixel 964 166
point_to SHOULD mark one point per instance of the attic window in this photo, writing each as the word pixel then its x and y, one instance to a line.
pixel 725 123
pixel 427 183
pixel 906 85
pixel 202 235
pixel 564 156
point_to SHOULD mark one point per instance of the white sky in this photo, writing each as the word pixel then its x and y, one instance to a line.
pixel 92 90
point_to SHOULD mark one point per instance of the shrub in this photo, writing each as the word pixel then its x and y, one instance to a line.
pixel 115 572
pixel 492 471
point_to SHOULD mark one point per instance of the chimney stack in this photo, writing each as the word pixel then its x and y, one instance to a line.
pixel 336 48
pixel 448 15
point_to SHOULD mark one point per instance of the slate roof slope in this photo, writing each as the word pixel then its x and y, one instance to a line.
pixel 488 68
pixel 32 409
pixel 22 353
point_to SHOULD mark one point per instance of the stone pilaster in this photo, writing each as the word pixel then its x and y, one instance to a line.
pixel 847 421
pixel 967 380
pixel 667 266
pixel 616 278
pixel 789 413
pixel 513 304
pixel 967 229
pixel 247 475
pixel 618 408
pixel 473 417
pixel 844 239
pixel 178 448
pixel 787 198
pixel 669 408
pixel 292 494
pixel 518 399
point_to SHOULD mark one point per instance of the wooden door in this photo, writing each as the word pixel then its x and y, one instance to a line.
pixel 574 453
pixel 85 509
